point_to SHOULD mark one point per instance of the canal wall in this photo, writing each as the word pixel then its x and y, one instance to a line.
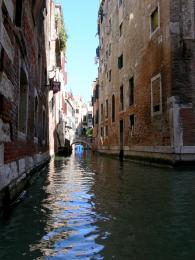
pixel 15 175
pixel 160 155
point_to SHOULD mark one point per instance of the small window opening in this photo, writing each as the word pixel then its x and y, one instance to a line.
pixel 106 108
pixel 113 108
pixel 121 29
pixel 120 61
pixel 131 91
pixel 121 98
pixel 23 100
pixel 36 116
pixel 18 14
pixel 155 20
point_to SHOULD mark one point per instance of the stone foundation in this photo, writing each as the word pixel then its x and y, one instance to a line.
pixel 155 154
pixel 15 175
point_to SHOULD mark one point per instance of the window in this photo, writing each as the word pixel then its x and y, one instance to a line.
pixel 89 116
pixel 131 91
pixel 109 49
pixel 36 114
pixel 102 131
pixel 156 95
pixel 51 105
pixel 97 117
pixel 102 112
pixel 120 61
pixel 154 20
pixel 113 108
pixel 58 53
pixel 98 52
pixel 110 75
pixel 84 119
pixel 121 29
pixel 77 111
pixel 18 14
pixel 43 125
pixel 23 102
pixel 120 2
pixel 97 92
pixel 106 130
pixel 106 108
pixel 131 122
pixel 121 98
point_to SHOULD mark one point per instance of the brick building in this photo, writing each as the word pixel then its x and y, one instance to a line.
pixel 56 48
pixel 146 79
pixel 23 92
pixel 95 104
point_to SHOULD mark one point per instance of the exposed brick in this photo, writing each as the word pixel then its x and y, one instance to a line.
pixel 21 52
pixel 168 52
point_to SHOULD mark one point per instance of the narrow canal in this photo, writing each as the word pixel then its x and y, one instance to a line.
pixel 92 207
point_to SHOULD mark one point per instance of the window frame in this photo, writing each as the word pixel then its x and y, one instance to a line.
pixel 154 113
pixel 110 75
pixel 106 112
pixel 152 32
pixel 102 112
pixel 113 109
pixel 22 135
pixel 131 90
pixel 122 97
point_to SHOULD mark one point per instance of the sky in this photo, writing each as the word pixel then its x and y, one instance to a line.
pixel 80 18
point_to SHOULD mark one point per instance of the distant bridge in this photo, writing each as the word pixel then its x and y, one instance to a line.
pixel 83 140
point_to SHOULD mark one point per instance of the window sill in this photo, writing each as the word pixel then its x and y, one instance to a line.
pixel 156 113
pixel 154 32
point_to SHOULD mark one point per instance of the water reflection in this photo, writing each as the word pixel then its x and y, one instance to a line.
pixel 71 229
pixel 91 207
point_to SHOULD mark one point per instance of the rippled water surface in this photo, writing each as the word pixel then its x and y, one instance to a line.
pixel 91 207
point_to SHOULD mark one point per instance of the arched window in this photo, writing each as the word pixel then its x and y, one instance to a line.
pixel 113 108
pixel 23 102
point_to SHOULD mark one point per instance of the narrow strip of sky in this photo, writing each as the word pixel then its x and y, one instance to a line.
pixel 80 18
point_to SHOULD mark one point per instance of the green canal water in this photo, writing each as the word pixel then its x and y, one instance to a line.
pixel 93 207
